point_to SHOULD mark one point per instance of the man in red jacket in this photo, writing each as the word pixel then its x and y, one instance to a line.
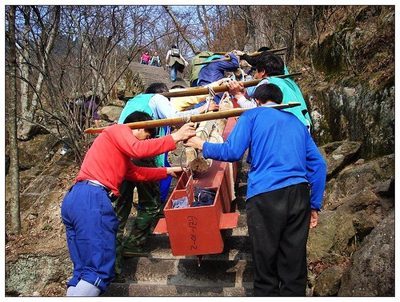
pixel 87 209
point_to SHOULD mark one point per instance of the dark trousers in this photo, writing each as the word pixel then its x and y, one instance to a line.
pixel 278 223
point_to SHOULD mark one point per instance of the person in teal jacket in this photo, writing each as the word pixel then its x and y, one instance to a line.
pixel 268 66
pixel 151 195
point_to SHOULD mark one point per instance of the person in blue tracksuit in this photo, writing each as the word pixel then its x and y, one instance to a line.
pixel 285 190
pixel 215 71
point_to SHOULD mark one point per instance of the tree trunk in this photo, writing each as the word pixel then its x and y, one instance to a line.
pixel 233 27
pixel 250 26
pixel 44 54
pixel 178 28
pixel 24 66
pixel 12 128
pixel 204 23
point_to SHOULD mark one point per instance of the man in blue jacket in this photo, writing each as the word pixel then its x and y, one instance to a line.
pixel 285 190
pixel 215 71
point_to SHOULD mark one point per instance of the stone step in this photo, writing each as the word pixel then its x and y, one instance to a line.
pixel 235 246
pixel 160 273
pixel 220 272
pixel 187 272
pixel 157 290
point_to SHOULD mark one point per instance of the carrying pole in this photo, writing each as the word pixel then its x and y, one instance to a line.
pixel 194 118
pixel 251 55
pixel 213 61
pixel 192 91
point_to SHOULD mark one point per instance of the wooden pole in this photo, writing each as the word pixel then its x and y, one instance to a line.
pixel 251 55
pixel 213 61
pixel 204 90
pixel 256 53
pixel 193 118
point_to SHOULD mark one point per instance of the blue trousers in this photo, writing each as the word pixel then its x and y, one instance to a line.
pixel 173 73
pixel 91 227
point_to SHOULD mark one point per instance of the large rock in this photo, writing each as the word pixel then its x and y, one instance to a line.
pixel 341 229
pixel 367 210
pixel 27 130
pixel 44 275
pixel 339 154
pixel 358 103
pixel 111 113
pixel 356 177
pixel 373 269
pixel 332 235
pixel 36 150
pixel 328 282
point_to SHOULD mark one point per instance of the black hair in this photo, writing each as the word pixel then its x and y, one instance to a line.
pixel 255 58
pixel 264 48
pixel 271 64
pixel 268 92
pixel 139 116
pixel 177 86
pixel 156 88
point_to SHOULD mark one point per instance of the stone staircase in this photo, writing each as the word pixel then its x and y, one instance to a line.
pixel 162 274
pixel 150 74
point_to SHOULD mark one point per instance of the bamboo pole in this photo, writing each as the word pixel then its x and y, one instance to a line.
pixel 213 61
pixel 251 55
pixel 192 91
pixel 256 53
pixel 193 118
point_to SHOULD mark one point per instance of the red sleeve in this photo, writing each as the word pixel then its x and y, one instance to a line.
pixel 136 173
pixel 128 144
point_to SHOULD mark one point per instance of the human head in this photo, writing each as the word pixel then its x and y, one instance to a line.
pixel 156 88
pixel 269 65
pixel 139 116
pixel 268 92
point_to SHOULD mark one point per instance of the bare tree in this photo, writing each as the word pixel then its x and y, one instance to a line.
pixel 245 12
pixel 204 22
pixel 231 15
pixel 44 42
pixel 12 125
pixel 24 67
pixel 179 28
